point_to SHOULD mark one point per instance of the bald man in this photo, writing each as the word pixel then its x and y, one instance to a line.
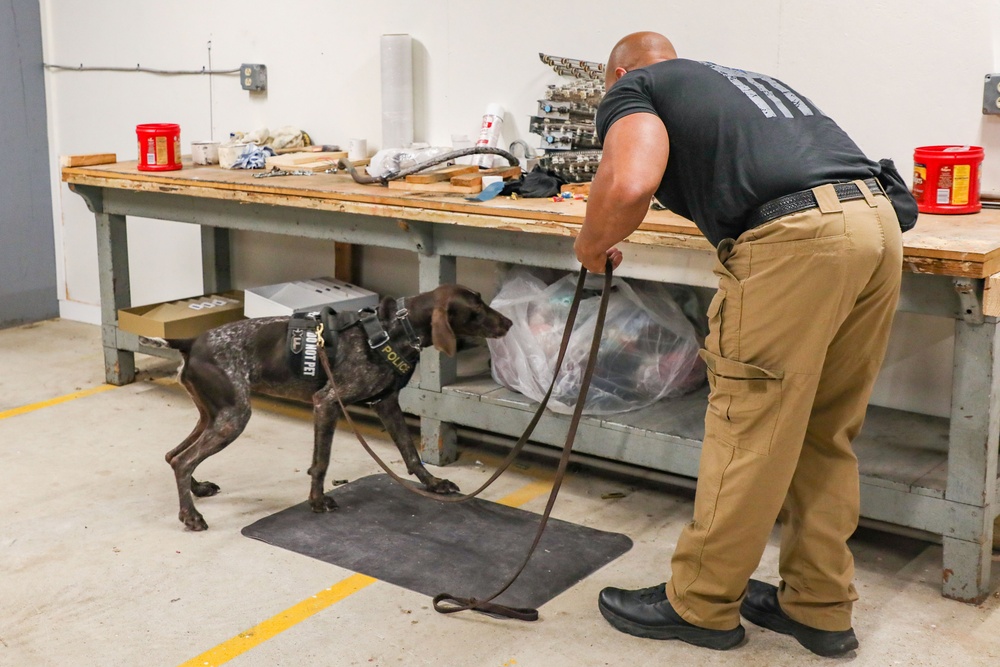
pixel 809 256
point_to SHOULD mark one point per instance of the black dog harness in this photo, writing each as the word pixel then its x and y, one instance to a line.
pixel 399 347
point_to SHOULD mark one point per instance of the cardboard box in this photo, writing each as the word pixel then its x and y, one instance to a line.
pixel 182 319
pixel 304 296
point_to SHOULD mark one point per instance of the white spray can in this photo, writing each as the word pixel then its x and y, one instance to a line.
pixel 489 132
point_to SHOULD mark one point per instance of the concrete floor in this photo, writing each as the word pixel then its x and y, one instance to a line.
pixel 96 569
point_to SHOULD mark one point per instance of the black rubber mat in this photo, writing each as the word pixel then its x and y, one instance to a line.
pixel 467 549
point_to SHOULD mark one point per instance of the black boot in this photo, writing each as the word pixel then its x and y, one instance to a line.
pixel 760 606
pixel 647 613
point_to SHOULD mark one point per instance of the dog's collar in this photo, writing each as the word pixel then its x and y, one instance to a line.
pixel 403 317
pixel 399 351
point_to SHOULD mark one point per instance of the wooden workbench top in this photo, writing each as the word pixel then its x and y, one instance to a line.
pixel 954 245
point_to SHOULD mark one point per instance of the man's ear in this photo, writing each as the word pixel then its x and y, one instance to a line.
pixel 441 334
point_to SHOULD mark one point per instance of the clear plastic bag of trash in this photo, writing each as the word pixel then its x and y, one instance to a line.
pixel 390 161
pixel 649 350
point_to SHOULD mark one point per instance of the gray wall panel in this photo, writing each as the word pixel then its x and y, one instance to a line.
pixel 27 255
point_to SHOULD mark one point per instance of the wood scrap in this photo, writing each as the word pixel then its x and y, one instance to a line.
pixel 506 172
pixel 991 296
pixel 476 178
pixel 87 160
pixel 318 148
pixel 441 173
pixel 577 188
pixel 316 161
pixel 467 179
pixel 441 188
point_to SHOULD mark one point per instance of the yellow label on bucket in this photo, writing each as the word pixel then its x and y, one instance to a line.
pixel 960 188
pixel 161 150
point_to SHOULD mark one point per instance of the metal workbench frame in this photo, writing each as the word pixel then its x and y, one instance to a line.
pixel 956 498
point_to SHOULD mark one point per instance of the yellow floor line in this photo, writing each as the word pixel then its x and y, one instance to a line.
pixel 13 412
pixel 277 624
pixel 295 614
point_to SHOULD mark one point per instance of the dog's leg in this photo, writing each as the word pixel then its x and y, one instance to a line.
pixel 389 412
pixel 326 412
pixel 224 429
pixel 224 410
pixel 199 489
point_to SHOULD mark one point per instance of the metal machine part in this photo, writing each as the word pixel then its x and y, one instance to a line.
pixel 580 69
pixel 564 135
pixel 572 166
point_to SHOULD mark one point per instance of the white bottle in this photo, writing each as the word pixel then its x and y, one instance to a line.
pixel 489 133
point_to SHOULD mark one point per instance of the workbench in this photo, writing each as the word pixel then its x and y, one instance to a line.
pixel 933 474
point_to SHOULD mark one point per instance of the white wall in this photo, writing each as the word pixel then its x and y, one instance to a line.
pixel 895 74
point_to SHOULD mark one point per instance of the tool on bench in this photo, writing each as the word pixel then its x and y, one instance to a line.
pixel 275 171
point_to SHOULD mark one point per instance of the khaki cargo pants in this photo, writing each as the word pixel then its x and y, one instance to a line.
pixel 797 333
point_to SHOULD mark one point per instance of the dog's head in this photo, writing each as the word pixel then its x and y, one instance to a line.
pixel 459 311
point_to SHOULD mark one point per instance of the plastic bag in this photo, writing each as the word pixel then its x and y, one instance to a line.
pixel 649 350
pixel 390 161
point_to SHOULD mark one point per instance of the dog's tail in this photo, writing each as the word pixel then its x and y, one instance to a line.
pixel 181 344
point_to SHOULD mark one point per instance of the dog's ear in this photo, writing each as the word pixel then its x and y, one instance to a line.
pixel 441 334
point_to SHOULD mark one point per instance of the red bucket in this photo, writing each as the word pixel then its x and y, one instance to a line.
pixel 159 146
pixel 946 178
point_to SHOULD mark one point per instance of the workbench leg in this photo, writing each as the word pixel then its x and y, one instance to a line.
pixel 438 442
pixel 216 262
pixel 973 442
pixel 112 263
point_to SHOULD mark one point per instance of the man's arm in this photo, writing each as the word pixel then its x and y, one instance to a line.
pixel 632 165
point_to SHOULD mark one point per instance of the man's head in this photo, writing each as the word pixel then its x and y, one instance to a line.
pixel 639 49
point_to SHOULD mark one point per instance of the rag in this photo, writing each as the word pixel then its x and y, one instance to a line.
pixel 253 157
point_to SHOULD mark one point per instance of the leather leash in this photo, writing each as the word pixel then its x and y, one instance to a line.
pixel 446 603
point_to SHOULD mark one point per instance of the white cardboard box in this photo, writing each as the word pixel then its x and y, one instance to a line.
pixel 303 296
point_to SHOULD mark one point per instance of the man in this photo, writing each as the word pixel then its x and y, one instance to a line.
pixel 809 265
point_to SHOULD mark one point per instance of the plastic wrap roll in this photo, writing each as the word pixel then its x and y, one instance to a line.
pixel 397 91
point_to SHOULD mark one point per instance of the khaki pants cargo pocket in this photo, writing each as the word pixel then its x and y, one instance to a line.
pixel 743 403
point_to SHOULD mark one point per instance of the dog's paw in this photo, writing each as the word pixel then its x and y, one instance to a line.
pixel 193 521
pixel 204 489
pixel 442 486
pixel 323 504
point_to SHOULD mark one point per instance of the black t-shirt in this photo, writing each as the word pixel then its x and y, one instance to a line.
pixel 737 140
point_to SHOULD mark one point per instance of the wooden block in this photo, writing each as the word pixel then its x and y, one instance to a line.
pixel 314 161
pixel 506 172
pixel 87 160
pixel 991 296
pixel 344 262
pixel 442 188
pixel 305 158
pixel 467 179
pixel 442 174
pixel 577 188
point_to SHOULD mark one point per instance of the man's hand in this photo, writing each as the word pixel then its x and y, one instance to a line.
pixel 597 262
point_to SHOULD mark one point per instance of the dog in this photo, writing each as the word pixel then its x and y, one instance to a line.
pixel 222 366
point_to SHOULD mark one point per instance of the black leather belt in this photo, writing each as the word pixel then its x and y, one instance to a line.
pixel 805 200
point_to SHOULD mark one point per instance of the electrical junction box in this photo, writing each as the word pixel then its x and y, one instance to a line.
pixel 253 76
pixel 991 94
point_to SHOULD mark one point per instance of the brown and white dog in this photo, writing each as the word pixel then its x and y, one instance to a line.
pixel 224 365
